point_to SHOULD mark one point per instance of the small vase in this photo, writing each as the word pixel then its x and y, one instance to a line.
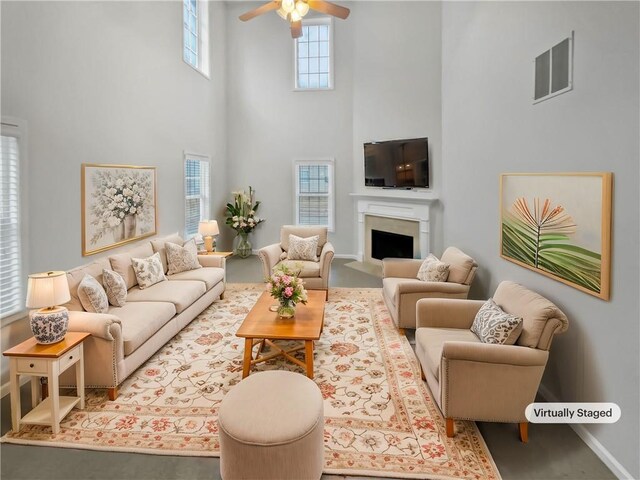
pixel 243 247
pixel 129 222
pixel 286 310
pixel 118 232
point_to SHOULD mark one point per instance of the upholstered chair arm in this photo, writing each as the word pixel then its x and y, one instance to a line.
pixel 102 325
pixel 400 267
pixel 493 353
pixel 326 257
pixel 418 286
pixel 269 256
pixel 446 312
pixel 212 261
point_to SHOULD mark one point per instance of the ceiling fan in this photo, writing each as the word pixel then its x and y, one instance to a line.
pixel 293 11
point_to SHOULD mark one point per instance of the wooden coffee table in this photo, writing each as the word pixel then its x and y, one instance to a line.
pixel 263 326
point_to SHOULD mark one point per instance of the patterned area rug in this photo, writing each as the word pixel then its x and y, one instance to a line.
pixel 380 419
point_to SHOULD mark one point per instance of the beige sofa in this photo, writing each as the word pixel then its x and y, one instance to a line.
pixel 480 381
pixel 314 274
pixel 401 289
pixel 125 337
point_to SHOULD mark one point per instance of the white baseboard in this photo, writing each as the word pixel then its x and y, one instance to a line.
pixel 348 256
pixel 592 442
pixel 5 389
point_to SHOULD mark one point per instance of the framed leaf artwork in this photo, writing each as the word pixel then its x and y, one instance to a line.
pixel 559 225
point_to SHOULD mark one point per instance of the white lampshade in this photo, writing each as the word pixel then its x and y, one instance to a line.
pixel 288 5
pixel 302 8
pixel 208 228
pixel 47 289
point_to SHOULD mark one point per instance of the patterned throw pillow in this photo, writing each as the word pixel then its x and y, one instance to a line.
pixel 92 296
pixel 115 286
pixel 148 270
pixel 181 259
pixel 494 325
pixel 303 248
pixel 433 270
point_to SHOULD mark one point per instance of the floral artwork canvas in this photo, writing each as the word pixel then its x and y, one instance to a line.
pixel 119 205
pixel 559 225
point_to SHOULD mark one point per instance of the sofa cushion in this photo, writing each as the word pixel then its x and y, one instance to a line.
pixel 432 340
pixel 75 276
pixel 158 246
pixel 121 262
pixel 303 232
pixel 182 294
pixel 141 320
pixel 460 264
pixel 148 270
pixel 494 325
pixel 182 259
pixel 92 295
pixel 306 268
pixel 211 276
pixel 433 270
pixel 115 287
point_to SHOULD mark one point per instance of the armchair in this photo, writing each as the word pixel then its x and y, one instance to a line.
pixel 401 289
pixel 314 274
pixel 472 380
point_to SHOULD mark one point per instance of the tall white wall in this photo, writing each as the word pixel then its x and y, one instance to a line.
pixel 490 127
pixel 387 85
pixel 104 82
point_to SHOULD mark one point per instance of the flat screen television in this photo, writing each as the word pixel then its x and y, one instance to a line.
pixel 397 163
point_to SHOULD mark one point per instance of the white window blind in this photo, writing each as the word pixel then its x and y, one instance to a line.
pixel 314 193
pixel 313 56
pixel 11 298
pixel 196 188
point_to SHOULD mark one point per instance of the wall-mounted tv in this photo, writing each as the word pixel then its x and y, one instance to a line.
pixel 397 163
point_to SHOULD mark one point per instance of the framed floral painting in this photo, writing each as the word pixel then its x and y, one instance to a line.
pixel 119 205
pixel 559 225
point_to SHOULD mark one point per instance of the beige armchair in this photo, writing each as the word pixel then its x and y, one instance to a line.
pixel 314 274
pixel 401 289
pixel 472 380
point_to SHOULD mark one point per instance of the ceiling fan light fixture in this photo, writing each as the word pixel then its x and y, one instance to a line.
pixel 288 5
pixel 295 16
pixel 302 7
pixel 282 13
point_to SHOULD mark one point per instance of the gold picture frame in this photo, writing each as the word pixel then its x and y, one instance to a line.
pixel 559 225
pixel 119 204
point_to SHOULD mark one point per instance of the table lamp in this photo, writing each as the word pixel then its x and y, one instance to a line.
pixel 45 291
pixel 209 228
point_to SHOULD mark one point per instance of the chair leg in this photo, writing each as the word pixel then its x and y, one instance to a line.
pixel 422 372
pixel 524 431
pixel 450 428
pixel 113 393
pixel 326 294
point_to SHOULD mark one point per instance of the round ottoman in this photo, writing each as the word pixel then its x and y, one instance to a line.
pixel 271 427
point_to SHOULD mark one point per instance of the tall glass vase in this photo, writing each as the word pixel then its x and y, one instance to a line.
pixel 243 245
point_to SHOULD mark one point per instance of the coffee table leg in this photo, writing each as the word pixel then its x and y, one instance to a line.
pixel 246 364
pixel 308 356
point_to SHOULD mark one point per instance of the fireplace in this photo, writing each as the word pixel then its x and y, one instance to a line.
pixel 390 245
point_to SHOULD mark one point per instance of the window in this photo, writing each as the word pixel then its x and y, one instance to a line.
pixel 196 192
pixel 314 193
pixel 195 38
pixel 313 53
pixel 11 220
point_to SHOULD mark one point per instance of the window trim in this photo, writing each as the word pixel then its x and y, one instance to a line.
pixel 188 155
pixel 203 67
pixel 329 161
pixel 307 22
pixel 12 126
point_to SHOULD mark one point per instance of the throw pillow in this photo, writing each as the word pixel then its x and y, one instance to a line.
pixel 494 325
pixel 433 270
pixel 92 296
pixel 303 248
pixel 181 259
pixel 115 286
pixel 148 270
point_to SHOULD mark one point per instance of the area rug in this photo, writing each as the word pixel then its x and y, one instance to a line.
pixel 380 419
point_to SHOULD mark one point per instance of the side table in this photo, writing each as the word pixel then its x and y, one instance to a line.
pixel 37 360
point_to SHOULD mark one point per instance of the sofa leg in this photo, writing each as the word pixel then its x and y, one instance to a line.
pixel 524 431
pixel 422 373
pixel 401 331
pixel 450 428
pixel 113 393
pixel 326 294
pixel 222 296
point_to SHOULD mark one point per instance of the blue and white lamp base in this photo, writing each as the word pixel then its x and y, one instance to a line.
pixel 49 325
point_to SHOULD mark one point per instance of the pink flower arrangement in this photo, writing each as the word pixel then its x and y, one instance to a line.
pixel 285 286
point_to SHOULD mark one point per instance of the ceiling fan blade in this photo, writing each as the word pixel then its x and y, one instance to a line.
pixel 323 6
pixel 267 7
pixel 296 29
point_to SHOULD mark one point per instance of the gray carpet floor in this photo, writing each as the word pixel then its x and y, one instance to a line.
pixel 553 451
